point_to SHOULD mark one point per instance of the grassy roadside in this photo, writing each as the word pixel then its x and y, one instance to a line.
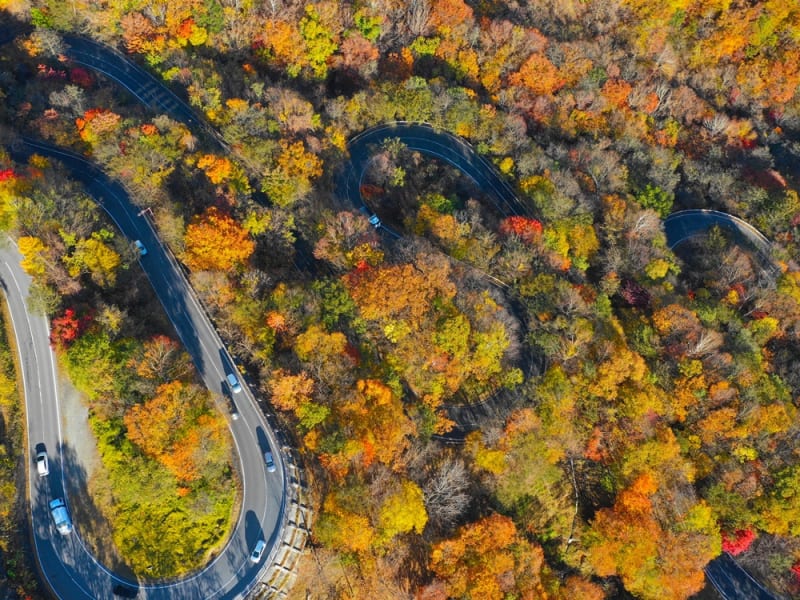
pixel 17 564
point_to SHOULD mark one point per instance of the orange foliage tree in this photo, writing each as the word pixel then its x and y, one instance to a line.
pixel 525 228
pixel 489 560
pixel 283 43
pixel 447 15
pixel 399 291
pixel 215 242
pixel 176 429
pixel 375 417
pixel 538 75
pixel 97 123
pixel 628 541
pixel 217 168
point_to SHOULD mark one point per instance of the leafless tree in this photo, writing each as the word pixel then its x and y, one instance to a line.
pixel 717 124
pixel 736 268
pixel 49 41
pixel 664 93
pixel 446 497
pixel 71 100
pixel 708 342
pixel 667 61
pixel 417 14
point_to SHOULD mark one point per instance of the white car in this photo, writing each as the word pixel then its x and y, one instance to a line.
pixel 258 551
pixel 60 516
pixel 140 247
pixel 42 466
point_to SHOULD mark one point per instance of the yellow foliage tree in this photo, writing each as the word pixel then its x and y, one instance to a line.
pixel 316 342
pixel 290 390
pixel 290 179
pixel 402 512
pixel 215 242
pixel 94 256
pixel 341 528
pixel 33 253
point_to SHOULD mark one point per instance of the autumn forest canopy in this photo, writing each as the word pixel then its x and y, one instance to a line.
pixel 623 413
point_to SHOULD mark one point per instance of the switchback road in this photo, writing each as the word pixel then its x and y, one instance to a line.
pixel 178 302
pixel 71 571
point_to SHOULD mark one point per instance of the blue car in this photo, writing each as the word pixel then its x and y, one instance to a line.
pixel 60 516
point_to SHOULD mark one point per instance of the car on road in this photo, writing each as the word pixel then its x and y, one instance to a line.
pixel 234 383
pixel 269 461
pixel 375 221
pixel 42 466
pixel 60 516
pixel 140 247
pixel 234 410
pixel 258 551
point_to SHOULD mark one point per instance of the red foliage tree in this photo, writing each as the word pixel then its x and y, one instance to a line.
pixel 525 228
pixel 737 542
pixel 796 569
pixel 81 77
pixel 64 330
pixel 634 294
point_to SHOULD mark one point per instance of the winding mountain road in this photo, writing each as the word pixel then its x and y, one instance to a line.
pixel 71 571
pixel 725 574
pixel 142 85
pixel 423 138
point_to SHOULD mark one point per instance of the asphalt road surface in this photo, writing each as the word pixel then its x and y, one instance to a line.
pixel 431 142
pixel 685 224
pixel 71 571
pixel 733 582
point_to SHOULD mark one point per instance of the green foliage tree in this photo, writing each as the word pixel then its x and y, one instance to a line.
pixel 657 199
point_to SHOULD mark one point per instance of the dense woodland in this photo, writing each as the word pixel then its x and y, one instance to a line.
pixel 639 407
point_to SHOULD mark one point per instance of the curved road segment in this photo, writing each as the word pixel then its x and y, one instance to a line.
pixel 230 574
pixel 71 571
pixel 685 224
pixel 725 574
pixel 432 142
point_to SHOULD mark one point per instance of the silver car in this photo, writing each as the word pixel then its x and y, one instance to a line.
pixel 258 551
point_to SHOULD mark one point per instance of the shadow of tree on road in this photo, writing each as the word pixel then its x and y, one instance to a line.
pixel 92 526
